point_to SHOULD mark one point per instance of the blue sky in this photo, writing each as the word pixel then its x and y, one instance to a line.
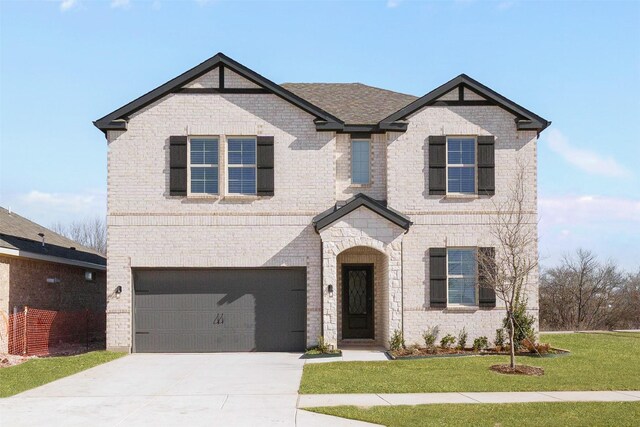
pixel 66 63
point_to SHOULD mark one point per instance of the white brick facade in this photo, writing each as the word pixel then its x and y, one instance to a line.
pixel 149 228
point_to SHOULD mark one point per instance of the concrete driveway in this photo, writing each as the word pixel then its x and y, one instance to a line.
pixel 223 389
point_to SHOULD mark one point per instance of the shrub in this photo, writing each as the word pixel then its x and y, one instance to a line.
pixel 523 324
pixel 480 343
pixel 430 336
pixel 462 339
pixel 447 341
pixel 323 347
pixel 533 347
pixel 499 341
pixel 397 341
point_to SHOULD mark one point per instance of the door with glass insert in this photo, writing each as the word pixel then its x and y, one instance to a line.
pixel 357 301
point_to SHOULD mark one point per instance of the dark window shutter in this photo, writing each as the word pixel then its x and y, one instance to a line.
pixel 487 295
pixel 265 165
pixel 438 277
pixel 437 165
pixel 178 165
pixel 486 165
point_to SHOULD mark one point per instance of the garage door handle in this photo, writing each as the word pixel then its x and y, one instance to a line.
pixel 142 333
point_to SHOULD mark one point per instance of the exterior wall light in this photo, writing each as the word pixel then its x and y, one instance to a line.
pixel 330 289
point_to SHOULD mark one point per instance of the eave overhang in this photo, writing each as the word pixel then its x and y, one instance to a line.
pixel 117 120
pixel 525 119
pixel 333 214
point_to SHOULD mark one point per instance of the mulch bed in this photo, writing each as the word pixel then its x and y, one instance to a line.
pixel 518 370
pixel 421 353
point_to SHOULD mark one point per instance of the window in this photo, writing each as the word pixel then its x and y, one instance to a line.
pixel 461 165
pixel 203 166
pixel 242 165
pixel 360 161
pixel 461 276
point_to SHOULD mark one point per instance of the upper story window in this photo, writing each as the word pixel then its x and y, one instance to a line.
pixel 461 276
pixel 203 166
pixel 360 161
pixel 241 165
pixel 461 165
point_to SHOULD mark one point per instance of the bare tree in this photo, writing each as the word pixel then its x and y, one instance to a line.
pixel 508 270
pixel 91 232
pixel 584 293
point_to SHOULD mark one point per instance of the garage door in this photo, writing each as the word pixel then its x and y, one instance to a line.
pixel 208 310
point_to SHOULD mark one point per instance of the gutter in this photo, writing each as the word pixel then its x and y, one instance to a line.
pixel 54 259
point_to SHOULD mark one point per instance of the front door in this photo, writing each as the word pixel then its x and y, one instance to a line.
pixel 357 301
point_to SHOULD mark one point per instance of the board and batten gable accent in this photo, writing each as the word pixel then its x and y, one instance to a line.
pixel 438 277
pixel 264 165
pixel 486 293
pixel 486 165
pixel 437 165
pixel 178 165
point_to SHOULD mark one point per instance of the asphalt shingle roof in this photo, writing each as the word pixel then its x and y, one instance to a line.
pixel 17 232
pixel 353 103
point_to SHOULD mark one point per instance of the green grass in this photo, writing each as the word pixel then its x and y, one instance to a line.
pixel 36 372
pixel 602 361
pixel 560 414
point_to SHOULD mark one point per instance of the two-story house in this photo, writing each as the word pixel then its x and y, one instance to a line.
pixel 244 215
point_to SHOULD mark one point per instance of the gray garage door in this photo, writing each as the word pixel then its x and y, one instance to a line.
pixel 207 310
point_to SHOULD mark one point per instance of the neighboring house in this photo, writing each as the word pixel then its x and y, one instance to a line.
pixel 43 270
pixel 244 215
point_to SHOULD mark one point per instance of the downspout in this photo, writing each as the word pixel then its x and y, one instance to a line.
pixel 321 288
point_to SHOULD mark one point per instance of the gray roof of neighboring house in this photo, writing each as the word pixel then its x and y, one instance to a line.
pixel 353 103
pixel 19 233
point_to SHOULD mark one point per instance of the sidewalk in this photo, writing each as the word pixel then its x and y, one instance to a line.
pixel 315 400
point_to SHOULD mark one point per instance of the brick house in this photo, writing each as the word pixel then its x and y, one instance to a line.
pixel 244 215
pixel 43 270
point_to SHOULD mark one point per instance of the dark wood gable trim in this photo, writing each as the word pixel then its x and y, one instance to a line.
pixel 525 119
pixel 112 120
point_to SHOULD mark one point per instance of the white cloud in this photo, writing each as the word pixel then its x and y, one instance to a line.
pixel 587 160
pixel 67 4
pixel 504 5
pixel 393 3
pixel 47 208
pixel 609 226
pixel 120 4
pixel 590 209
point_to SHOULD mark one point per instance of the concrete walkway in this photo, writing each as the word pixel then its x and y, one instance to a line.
pixel 314 400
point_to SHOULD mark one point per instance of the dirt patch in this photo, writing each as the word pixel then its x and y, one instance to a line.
pixel 518 370
pixel 7 360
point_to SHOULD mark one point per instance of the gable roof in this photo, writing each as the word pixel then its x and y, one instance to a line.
pixel 19 236
pixel 525 119
pixel 339 107
pixel 353 103
pixel 333 214
pixel 117 119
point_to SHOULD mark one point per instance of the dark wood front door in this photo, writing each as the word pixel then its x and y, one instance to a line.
pixel 357 301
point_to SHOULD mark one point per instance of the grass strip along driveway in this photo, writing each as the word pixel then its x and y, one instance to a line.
pixel 598 361
pixel 36 372
pixel 559 414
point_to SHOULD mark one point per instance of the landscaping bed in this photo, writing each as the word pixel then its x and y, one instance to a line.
pixel 425 353
pixel 317 354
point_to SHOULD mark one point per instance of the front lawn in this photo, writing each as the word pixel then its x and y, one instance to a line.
pixel 560 414
pixel 598 361
pixel 36 372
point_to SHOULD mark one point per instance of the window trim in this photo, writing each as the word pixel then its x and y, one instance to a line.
pixel 229 165
pixel 462 165
pixel 189 165
pixel 368 141
pixel 476 303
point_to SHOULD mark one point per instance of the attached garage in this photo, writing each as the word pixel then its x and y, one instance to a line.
pixel 219 310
